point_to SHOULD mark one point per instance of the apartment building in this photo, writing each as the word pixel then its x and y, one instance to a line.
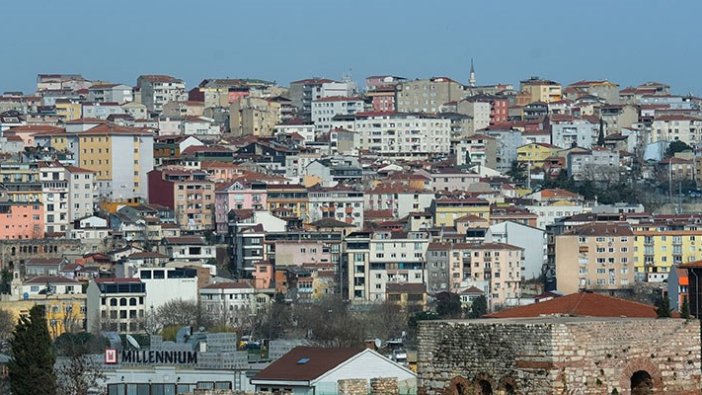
pixel 21 220
pixel 110 93
pixel 254 116
pixel 427 96
pixel 447 210
pixel 375 259
pixel 116 304
pixel 119 156
pixel 495 269
pixel 658 249
pixel 304 92
pixel 341 203
pixel 568 131
pixel 288 201
pixel 233 302
pixel 540 90
pixel 685 128
pixel 157 90
pixel 478 149
pixel 188 192
pixel 403 135
pixel 167 284
pixel 446 266
pixel 325 109
pixel 605 257
pixel 401 199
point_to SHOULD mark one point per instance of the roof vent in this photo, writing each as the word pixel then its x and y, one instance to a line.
pixel 303 361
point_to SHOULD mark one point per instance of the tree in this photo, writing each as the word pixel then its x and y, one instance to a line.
pixel 663 307
pixel 516 172
pixel 448 305
pixel 685 309
pixel 33 359
pixel 600 135
pixel 79 372
pixel 5 281
pixel 676 146
pixel 7 324
pixel 479 307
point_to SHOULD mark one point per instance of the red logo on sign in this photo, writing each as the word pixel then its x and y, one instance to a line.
pixel 110 356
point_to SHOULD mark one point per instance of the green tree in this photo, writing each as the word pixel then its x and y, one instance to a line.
pixel 31 369
pixel 5 281
pixel 663 307
pixel 600 135
pixel 479 307
pixel 448 305
pixel 685 309
pixel 676 146
pixel 516 172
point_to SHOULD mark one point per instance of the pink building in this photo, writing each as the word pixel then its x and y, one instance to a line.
pixel 237 195
pixel 298 253
pixel 21 221
pixel 263 275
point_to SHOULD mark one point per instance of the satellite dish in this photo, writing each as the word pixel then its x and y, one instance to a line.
pixel 378 343
pixel 133 342
pixel 115 340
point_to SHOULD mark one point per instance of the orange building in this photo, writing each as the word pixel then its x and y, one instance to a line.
pixel 21 220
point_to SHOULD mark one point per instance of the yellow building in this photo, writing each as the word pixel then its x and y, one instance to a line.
pixel 288 201
pixel 448 210
pixel 64 313
pixel 541 90
pixel 68 110
pixel 535 154
pixel 656 251
pixel 120 156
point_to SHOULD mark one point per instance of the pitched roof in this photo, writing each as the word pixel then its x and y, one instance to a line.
pixel 306 363
pixel 603 229
pixel 330 223
pixel 581 304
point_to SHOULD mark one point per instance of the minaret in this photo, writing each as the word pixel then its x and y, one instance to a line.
pixel 471 78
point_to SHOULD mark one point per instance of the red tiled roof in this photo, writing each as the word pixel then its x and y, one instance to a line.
pixel 230 285
pixel 317 361
pixel 581 304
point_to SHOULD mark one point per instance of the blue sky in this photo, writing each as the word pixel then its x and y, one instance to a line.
pixel 627 41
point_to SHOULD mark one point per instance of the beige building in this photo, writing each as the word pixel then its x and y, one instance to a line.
pixel 496 269
pixel 597 255
pixel 541 90
pixel 428 96
pixel 254 116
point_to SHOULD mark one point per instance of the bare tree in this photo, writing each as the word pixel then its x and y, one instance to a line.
pixel 80 372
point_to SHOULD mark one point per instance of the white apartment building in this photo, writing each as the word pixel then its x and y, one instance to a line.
pixel 339 203
pixel 400 134
pixel 68 194
pixel 378 258
pixel 110 93
pixel 402 200
pixel 324 110
pixel 166 284
pixel 157 90
pixel 101 110
pixel 116 304
pixel 680 127
pixel 567 131
pixel 233 301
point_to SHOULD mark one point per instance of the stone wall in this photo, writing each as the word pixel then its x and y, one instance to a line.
pixel 559 355
pixel 353 387
pixel 384 386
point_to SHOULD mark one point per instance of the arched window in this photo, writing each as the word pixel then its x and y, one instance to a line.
pixel 123 301
pixel 641 383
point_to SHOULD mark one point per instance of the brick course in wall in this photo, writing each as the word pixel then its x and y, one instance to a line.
pixel 558 355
